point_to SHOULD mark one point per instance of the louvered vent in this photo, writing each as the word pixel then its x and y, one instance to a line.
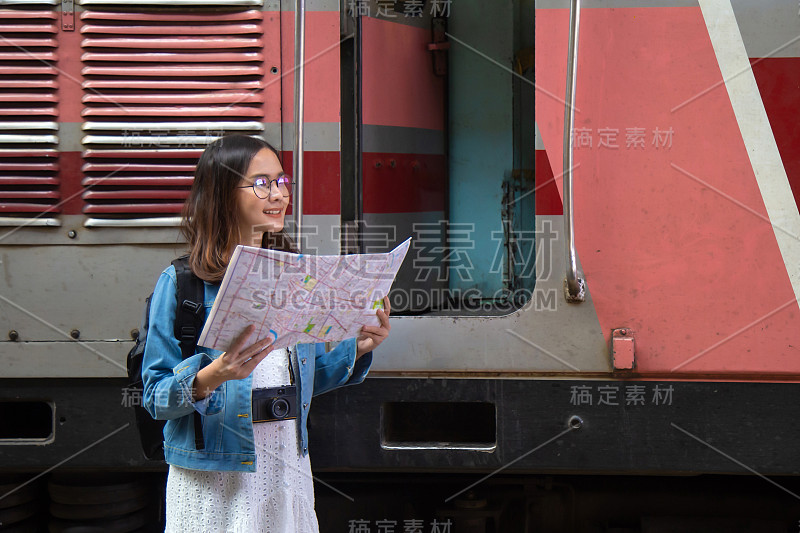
pixel 158 87
pixel 28 117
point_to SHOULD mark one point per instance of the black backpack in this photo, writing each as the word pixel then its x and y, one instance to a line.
pixel 189 317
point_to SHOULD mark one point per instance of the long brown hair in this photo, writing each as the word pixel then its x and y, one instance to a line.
pixel 210 218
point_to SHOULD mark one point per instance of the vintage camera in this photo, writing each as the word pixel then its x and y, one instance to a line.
pixel 278 403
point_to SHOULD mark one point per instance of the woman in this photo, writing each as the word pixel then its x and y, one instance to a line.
pixel 244 475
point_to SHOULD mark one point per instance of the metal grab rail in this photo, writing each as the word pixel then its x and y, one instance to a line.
pixel 574 287
pixel 299 85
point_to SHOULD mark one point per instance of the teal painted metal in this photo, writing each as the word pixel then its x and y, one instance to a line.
pixel 481 140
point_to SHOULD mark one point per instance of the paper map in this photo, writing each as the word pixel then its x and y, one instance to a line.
pixel 299 298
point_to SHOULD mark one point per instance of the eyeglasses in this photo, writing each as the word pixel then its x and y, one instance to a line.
pixel 263 186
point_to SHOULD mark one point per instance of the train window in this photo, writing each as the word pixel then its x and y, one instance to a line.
pixel 26 421
pixel 447 156
pixel 439 425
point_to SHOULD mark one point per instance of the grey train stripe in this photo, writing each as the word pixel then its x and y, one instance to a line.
pixel 780 16
pixel 782 19
pixel 399 140
pixel 319 137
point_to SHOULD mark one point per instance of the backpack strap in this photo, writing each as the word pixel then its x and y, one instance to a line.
pixel 189 314
pixel 189 317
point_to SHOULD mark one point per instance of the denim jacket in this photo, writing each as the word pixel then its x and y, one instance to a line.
pixel 226 412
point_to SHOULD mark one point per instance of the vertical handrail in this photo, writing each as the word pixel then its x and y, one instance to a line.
pixel 573 285
pixel 299 86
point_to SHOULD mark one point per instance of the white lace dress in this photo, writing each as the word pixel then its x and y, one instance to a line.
pixel 277 498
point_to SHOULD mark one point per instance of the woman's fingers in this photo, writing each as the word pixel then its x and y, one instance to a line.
pixel 238 354
pixel 373 336
pixel 255 348
pixel 384 327
pixel 384 318
pixel 374 333
pixel 238 343
pixel 262 346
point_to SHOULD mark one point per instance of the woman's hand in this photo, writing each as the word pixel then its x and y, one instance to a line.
pixel 237 363
pixel 372 336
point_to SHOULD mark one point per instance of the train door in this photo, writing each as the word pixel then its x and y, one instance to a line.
pixel 444 151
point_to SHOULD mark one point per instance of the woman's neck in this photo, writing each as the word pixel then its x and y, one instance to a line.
pixel 254 239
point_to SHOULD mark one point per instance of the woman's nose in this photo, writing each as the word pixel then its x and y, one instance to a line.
pixel 275 193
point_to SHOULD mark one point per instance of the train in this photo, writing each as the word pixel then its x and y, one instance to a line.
pixel 596 327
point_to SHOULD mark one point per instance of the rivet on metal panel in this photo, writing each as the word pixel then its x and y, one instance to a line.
pixel 72 234
pixel 13 335
pixel 378 164
pixel 75 333
pixel 575 422
pixel 274 70
pixel 623 349
pixel 67 15
pixel 135 334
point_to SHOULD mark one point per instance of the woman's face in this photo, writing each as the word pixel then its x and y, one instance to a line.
pixel 258 215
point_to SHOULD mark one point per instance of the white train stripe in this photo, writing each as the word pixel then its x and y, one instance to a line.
pixel 756 132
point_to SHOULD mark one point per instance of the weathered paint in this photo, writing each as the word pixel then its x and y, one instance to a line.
pixel 674 243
